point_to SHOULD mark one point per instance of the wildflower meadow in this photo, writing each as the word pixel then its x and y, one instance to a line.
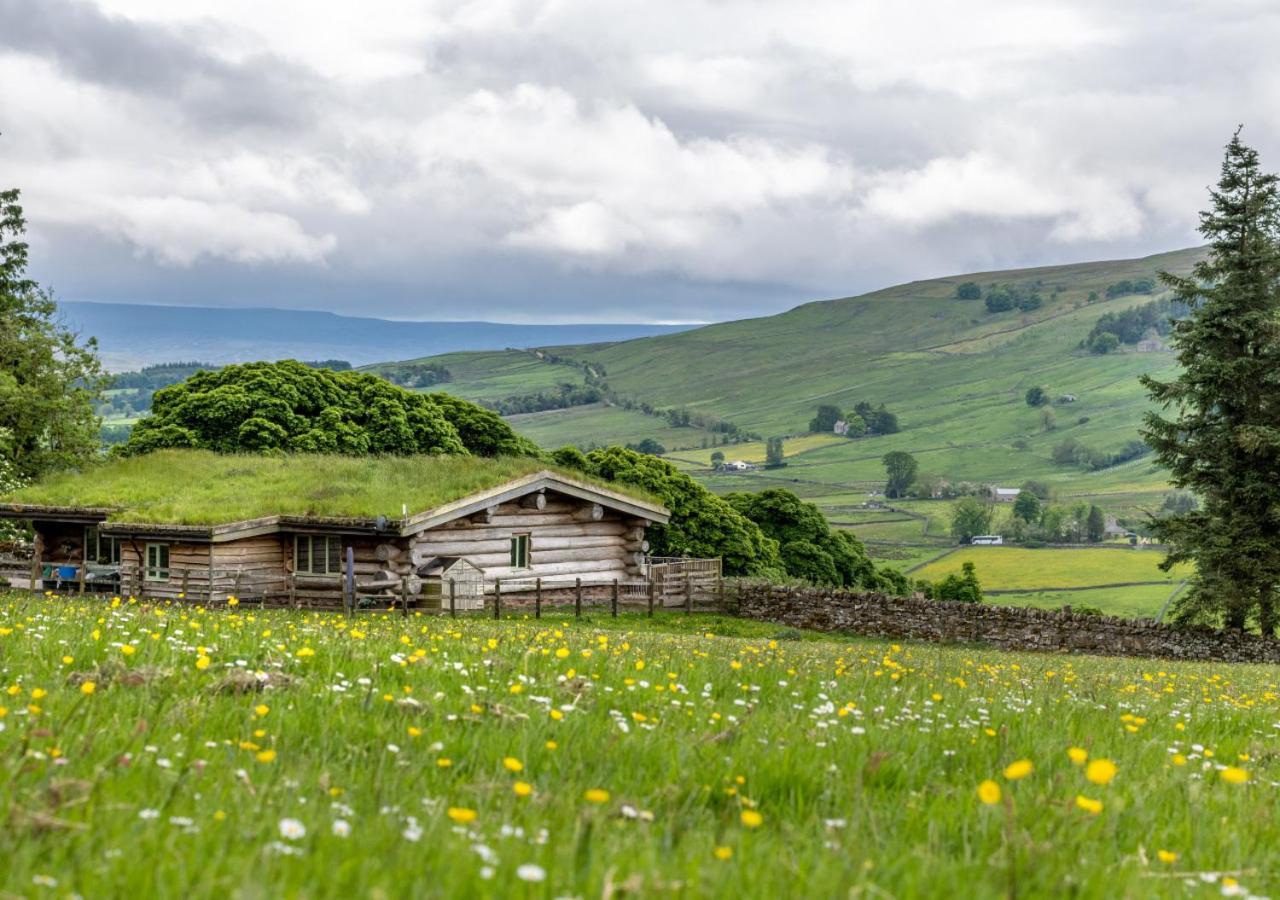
pixel 159 750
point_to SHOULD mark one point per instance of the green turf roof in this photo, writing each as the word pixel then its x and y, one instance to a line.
pixel 197 487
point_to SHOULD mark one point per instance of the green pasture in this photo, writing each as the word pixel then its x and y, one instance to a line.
pixel 1019 568
pixel 166 751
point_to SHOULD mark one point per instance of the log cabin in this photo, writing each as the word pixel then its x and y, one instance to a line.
pixel 200 526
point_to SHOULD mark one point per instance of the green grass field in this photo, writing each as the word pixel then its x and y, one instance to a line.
pixel 1018 568
pixel 166 751
pixel 601 424
pixel 1138 601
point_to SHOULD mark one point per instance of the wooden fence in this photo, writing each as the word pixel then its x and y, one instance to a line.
pixel 697 589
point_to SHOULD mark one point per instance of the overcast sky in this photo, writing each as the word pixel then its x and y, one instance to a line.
pixel 656 160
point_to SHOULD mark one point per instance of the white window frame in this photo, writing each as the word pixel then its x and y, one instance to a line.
pixel 311 541
pixel 155 571
pixel 516 539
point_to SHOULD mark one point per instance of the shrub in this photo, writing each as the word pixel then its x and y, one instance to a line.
pixel 288 407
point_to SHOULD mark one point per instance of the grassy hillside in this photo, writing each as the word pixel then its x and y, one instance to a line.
pixel 955 374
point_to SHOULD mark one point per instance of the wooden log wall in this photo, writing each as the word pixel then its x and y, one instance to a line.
pixel 568 538
pixel 188 566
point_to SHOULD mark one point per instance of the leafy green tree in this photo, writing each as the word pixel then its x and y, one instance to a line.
pixel 1055 523
pixel 50 382
pixel 717 459
pixel 483 432
pixel 825 421
pixel 962 588
pixel 570 458
pixel 774 457
pixel 648 445
pixel 809 547
pixel 288 407
pixel 1103 343
pixel 702 524
pixel 855 426
pixel 1096 524
pixel 1221 436
pixel 969 518
pixel 969 290
pixel 1027 507
pixel 901 468
pixel 1037 396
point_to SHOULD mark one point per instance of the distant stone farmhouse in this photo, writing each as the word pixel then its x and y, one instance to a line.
pixel 1005 495
pixel 154 526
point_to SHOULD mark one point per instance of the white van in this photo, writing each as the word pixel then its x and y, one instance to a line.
pixel 987 539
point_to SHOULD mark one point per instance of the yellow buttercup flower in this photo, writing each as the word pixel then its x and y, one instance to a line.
pixel 723 852
pixel 1018 769
pixel 266 756
pixel 1234 775
pixel 522 788
pixel 1167 856
pixel 1089 805
pixel 88 687
pixel 461 814
pixel 512 764
pixel 989 792
pixel 751 818
pixel 1100 771
pixel 597 795
pixel 1077 755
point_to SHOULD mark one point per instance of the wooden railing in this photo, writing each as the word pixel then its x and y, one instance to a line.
pixel 695 588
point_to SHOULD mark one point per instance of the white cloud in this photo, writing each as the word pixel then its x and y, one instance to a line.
pixel 180 231
pixel 637 152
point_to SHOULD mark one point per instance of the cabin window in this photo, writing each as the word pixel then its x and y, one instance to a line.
pixel 317 554
pixel 157 562
pixel 520 551
pixel 100 549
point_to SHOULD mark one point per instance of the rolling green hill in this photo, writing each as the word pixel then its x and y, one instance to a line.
pixel 953 372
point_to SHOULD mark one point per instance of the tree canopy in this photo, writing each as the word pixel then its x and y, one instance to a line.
pixel 49 379
pixel 901 468
pixel 1217 426
pixel 702 524
pixel 809 547
pixel 970 517
pixel 290 407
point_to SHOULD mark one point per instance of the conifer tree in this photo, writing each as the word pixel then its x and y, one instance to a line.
pixel 1218 425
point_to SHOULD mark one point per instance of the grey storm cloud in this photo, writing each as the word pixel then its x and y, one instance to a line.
pixel 667 160
pixel 162 62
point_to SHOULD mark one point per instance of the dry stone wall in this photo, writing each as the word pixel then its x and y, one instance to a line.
pixel 1004 627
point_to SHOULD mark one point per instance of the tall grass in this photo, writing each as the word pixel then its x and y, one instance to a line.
pixel 198 487
pixel 248 753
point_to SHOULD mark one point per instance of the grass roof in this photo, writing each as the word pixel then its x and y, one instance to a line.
pixel 198 487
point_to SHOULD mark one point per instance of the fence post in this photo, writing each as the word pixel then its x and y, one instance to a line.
pixel 653 590
pixel 293 588
pixel 577 597
pixel 497 598
pixel 614 599
pixel 453 598
pixel 688 594
pixel 537 598
pixel 404 595
pixel 83 566
pixel 351 581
